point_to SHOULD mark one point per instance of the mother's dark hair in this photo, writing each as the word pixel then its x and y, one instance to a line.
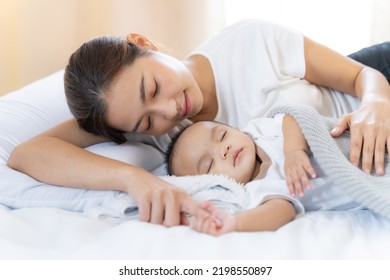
pixel 88 76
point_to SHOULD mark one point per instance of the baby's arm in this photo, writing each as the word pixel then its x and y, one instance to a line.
pixel 297 164
pixel 268 216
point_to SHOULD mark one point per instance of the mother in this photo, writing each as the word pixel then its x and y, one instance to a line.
pixel 119 89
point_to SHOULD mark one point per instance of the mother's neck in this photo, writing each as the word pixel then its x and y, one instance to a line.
pixel 202 71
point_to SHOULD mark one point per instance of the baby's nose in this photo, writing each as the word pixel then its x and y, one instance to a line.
pixel 225 151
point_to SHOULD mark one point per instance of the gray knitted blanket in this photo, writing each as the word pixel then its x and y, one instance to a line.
pixel 332 155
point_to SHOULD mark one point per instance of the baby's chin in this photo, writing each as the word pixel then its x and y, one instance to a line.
pixel 245 178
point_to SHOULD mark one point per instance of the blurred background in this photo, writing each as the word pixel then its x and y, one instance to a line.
pixel 38 36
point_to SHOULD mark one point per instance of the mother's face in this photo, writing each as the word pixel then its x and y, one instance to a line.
pixel 152 95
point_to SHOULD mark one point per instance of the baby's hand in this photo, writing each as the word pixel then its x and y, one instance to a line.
pixel 217 223
pixel 296 167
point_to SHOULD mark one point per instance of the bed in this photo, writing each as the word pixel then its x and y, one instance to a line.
pixel 33 230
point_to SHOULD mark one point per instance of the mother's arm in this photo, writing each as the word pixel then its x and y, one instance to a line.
pixel 370 124
pixel 57 157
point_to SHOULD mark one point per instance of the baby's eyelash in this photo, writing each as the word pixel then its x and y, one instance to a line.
pixel 223 135
pixel 156 91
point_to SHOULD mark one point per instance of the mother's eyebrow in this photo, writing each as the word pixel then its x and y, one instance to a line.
pixel 142 97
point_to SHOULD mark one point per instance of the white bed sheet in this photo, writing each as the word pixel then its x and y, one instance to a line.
pixel 53 233
pixel 47 233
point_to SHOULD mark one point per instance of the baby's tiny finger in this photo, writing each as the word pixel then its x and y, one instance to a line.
pixel 298 188
pixel 217 222
pixel 290 186
pixel 309 169
pixel 305 181
pixel 208 224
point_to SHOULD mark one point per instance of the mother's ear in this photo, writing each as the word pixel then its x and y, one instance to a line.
pixel 141 41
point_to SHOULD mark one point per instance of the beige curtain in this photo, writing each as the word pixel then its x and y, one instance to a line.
pixel 38 36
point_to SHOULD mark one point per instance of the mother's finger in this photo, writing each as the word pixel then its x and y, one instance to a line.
pixel 341 125
pixel 188 205
pixel 368 150
pixel 144 209
pixel 172 215
pixel 356 145
pixel 157 209
pixel 380 146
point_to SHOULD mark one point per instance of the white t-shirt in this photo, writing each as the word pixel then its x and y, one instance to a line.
pixel 267 134
pixel 257 66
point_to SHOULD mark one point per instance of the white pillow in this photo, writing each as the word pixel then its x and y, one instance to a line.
pixel 32 110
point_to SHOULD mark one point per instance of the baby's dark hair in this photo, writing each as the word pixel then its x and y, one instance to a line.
pixel 171 151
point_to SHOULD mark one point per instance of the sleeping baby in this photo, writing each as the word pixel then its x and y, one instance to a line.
pixel 270 153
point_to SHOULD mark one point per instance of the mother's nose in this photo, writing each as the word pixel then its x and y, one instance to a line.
pixel 166 109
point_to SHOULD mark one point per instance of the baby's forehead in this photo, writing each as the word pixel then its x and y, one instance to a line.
pixel 206 125
pixel 201 128
pixel 188 147
pixel 196 131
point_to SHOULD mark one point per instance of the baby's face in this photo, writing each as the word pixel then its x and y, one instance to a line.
pixel 214 148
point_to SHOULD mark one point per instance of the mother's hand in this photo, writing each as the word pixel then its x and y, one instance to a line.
pixel 161 203
pixel 370 133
